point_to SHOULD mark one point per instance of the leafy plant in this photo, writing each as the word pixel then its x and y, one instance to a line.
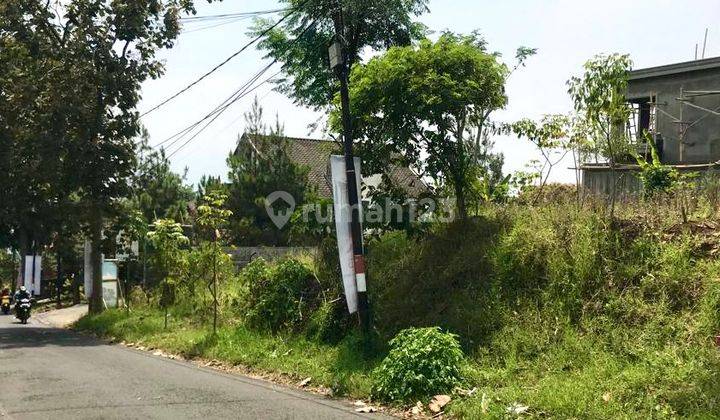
pixel 275 297
pixel 422 362
pixel 167 237
pixel 655 177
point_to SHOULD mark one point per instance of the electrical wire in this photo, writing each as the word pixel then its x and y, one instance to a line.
pixel 232 15
pixel 243 91
pixel 227 60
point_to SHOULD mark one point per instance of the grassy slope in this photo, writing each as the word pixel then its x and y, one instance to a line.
pixel 557 311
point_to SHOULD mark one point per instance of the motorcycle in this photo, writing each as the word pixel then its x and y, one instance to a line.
pixel 5 304
pixel 23 310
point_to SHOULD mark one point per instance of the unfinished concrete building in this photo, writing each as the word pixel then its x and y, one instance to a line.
pixel 678 105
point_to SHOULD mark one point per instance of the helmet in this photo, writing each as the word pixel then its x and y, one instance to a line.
pixel 23 289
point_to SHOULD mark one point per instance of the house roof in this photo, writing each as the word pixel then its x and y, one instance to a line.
pixel 315 155
pixel 675 68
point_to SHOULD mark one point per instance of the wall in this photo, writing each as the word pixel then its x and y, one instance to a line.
pixel 243 255
pixel 702 140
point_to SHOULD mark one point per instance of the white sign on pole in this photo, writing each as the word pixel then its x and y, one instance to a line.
pixel 33 271
pixel 87 270
pixel 342 212
pixel 110 283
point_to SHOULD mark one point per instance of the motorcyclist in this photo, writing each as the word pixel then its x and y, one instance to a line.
pixel 20 294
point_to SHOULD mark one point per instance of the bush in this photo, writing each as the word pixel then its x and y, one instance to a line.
pixel 276 296
pixel 443 280
pixel 422 362
pixel 330 323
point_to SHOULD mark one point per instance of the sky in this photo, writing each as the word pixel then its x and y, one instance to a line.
pixel 566 33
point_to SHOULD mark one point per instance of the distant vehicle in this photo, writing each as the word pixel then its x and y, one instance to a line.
pixel 23 310
pixel 5 304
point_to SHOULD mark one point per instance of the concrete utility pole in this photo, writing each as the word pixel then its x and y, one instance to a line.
pixel 339 64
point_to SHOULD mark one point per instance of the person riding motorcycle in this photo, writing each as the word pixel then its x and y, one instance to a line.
pixel 22 304
pixel 5 300
pixel 21 293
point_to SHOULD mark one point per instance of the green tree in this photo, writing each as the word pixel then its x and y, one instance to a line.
pixel 599 100
pixel 209 183
pixel 158 192
pixel 261 167
pixel 373 24
pixel 33 156
pixel 212 217
pixel 92 57
pixel 433 99
pixel 168 239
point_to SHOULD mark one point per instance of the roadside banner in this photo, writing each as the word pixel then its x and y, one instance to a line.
pixel 87 271
pixel 33 271
pixel 342 214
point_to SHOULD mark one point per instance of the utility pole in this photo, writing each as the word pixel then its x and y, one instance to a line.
pixel 339 64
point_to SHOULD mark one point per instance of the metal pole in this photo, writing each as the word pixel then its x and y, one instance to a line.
pixel 341 71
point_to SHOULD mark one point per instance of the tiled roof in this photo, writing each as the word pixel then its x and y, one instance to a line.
pixel 315 154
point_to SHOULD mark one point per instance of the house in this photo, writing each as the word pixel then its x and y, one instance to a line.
pixel 679 107
pixel 315 155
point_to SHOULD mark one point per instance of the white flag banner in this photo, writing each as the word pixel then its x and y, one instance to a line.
pixel 87 270
pixel 33 271
pixel 342 213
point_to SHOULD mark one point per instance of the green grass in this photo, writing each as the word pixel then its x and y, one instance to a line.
pixel 557 310
pixel 340 368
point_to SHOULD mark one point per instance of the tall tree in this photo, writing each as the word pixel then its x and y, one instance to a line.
pixel 599 99
pixel 435 100
pixel 158 192
pixel 261 166
pixel 373 24
pixel 102 51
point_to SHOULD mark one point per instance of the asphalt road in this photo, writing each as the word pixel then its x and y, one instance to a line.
pixel 54 373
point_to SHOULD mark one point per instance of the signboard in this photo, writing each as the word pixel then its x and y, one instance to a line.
pixel 109 270
pixel 32 273
pixel 87 271
pixel 342 212
pixel 110 293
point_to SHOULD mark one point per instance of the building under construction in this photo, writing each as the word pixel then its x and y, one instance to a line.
pixel 678 106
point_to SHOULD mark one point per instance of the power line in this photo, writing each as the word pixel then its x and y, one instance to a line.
pixel 220 113
pixel 232 15
pixel 227 60
pixel 232 99
pixel 215 25
pixel 228 101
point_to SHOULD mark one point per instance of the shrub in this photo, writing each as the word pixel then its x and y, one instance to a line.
pixel 330 322
pixel 442 280
pixel 276 295
pixel 421 362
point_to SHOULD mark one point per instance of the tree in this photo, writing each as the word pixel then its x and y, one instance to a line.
pixel 433 99
pixel 158 192
pixel 33 157
pixel 599 100
pixel 212 217
pixel 94 56
pixel 552 137
pixel 373 24
pixel 167 238
pixel 262 167
pixel 209 183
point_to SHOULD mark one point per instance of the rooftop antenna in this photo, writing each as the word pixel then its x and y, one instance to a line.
pixel 704 43
pixel 696 50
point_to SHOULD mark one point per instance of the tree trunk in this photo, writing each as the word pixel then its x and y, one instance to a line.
pixel 215 287
pixel 76 288
pixel 24 250
pixel 58 281
pixel 96 298
pixel 460 202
